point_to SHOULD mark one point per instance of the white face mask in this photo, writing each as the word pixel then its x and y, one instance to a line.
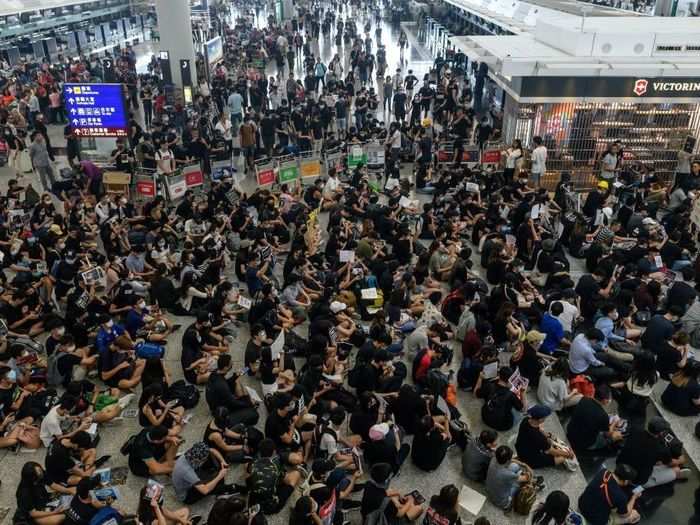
pixel 110 323
pixel 60 331
pixel 142 304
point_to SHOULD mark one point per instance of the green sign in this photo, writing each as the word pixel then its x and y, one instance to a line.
pixel 356 157
pixel 288 174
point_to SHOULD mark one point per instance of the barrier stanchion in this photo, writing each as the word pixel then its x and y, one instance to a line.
pixel 287 169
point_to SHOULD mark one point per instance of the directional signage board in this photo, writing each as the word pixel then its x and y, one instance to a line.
pixel 96 110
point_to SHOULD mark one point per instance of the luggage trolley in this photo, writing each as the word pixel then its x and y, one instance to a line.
pixel 376 159
pixel 471 156
pixel 265 172
pixel 309 166
pixel 287 170
pixel 145 185
pixel 335 158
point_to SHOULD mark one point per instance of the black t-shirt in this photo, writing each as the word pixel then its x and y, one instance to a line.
pixel 191 347
pixel 29 498
pixel 276 426
pixel 143 450
pixel 679 400
pixel 602 495
pixel 641 451
pixel 658 329
pixel 428 449
pixel 594 200
pixel 589 291
pixel 436 515
pixel 372 499
pixel 252 353
pixel 59 462
pixel 497 411
pixel 588 420
pixel 667 358
pixel 7 397
pixel 267 127
pixel 531 445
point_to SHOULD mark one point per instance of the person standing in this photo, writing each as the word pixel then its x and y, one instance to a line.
pixel 539 160
pixel 39 155
pixel 235 107
pixel 247 134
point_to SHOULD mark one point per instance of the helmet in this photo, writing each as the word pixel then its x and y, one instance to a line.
pixel 603 185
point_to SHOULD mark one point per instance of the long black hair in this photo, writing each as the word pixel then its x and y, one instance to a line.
pixel 555 509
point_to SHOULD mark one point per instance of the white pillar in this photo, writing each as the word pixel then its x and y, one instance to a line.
pixel 175 30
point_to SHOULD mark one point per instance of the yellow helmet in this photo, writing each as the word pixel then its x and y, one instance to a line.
pixel 426 122
pixel 603 185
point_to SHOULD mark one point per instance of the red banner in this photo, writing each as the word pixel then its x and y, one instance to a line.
pixel 266 177
pixel 147 188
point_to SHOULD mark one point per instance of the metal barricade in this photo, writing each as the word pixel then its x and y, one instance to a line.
pixel 265 172
pixel 287 169
pixel 145 185
pixel 375 153
pixel 356 155
pixel 471 155
pixel 309 166
pixel 491 155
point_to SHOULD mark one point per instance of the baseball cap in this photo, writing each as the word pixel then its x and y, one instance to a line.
pixel 539 411
pixel 603 185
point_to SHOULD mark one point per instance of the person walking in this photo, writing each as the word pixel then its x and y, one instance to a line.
pixel 39 155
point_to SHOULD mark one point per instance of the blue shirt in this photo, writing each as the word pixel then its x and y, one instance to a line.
pixel 254 282
pixel 606 325
pixel 235 104
pixel 582 355
pixel 554 330
pixel 106 338
pixel 134 321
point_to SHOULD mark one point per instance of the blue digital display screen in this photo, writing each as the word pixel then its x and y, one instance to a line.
pixel 96 110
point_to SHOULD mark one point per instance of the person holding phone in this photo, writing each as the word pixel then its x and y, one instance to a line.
pixel 607 493
pixel 443 508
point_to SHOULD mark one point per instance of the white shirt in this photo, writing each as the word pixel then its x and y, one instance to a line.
pixel 328 443
pixel 539 158
pixel 396 140
pixel 224 129
pixel 51 427
pixel 331 187
pixel 566 318
pixel 513 156
pixel 166 156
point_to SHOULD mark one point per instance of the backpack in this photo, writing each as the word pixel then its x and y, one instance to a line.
pixel 53 376
pixel 496 412
pixel 524 499
pixel 437 382
pixel 186 395
pixel 107 516
pixel 264 476
pixel 146 350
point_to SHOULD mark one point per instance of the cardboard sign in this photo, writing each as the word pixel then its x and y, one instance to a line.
pixel 347 255
pixel 288 173
pixel 266 177
pixel 193 175
pixel 244 302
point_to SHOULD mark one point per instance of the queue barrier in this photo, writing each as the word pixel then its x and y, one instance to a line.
pixel 376 155
pixel 309 166
pixel 287 169
pixel 146 184
pixel 471 154
pixel 334 159
pixel 265 172
pixel 356 155
pixel 175 185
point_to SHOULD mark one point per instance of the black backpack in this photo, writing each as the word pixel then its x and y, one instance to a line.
pixel 186 395
pixel 496 412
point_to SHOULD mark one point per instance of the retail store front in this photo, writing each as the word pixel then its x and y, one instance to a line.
pixel 579 117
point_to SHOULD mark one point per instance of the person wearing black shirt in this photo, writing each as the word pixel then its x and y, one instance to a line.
pixel 153 452
pixel 427 94
pixel 280 427
pixel 607 492
pixel 69 460
pixel 594 201
pixel 590 427
pixel 444 509
pixel 268 125
pixel 400 105
pixel 500 402
pixel 646 452
pixel 431 442
pixel 229 393
pixel 534 447
pixel 193 359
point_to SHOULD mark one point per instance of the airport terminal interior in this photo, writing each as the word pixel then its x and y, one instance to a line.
pixel 369 262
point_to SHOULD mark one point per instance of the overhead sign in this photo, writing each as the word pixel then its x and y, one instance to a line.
pixel 96 110
pixel 610 87
pixel 215 50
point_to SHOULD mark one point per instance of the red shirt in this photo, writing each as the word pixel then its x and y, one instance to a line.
pixel 423 366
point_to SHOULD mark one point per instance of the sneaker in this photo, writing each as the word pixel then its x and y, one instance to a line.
pixel 126 400
pixel 571 464
pixel 684 474
pixel 176 327
pixel 195 518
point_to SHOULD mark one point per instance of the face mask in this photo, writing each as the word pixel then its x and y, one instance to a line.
pixel 60 332
pixel 11 376
pixel 615 316
pixel 161 244
pixel 110 323
pixel 142 304
pixel 70 348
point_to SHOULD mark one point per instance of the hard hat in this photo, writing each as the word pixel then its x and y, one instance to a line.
pixel 603 185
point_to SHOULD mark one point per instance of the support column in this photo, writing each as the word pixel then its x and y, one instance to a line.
pixel 175 30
